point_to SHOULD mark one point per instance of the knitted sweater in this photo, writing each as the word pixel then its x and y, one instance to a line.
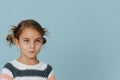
pixel 19 71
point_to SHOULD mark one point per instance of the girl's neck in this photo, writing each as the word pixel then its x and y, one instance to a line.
pixel 28 61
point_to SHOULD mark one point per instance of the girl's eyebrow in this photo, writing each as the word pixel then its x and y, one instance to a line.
pixel 38 38
pixel 25 38
pixel 29 38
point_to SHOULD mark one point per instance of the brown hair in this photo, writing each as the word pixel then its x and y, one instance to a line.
pixel 17 30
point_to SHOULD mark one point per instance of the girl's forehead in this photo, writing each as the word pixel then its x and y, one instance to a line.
pixel 30 32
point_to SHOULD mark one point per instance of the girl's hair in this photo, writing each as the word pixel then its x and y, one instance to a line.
pixel 29 23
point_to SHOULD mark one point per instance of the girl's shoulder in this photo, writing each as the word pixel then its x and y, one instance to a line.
pixel 8 65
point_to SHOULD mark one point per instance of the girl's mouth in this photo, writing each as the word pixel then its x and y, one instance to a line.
pixel 31 51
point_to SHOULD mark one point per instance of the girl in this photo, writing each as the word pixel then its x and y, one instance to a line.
pixel 28 36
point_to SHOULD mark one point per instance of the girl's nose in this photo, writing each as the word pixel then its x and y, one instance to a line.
pixel 32 45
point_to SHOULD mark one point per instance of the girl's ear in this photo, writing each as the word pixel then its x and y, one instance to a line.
pixel 44 40
pixel 16 42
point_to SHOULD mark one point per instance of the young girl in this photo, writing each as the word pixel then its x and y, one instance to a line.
pixel 28 36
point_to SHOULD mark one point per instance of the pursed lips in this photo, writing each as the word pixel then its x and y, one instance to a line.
pixel 31 51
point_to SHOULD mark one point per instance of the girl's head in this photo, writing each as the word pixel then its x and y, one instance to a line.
pixel 28 36
pixel 17 30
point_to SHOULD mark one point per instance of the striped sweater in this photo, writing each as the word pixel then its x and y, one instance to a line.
pixel 19 71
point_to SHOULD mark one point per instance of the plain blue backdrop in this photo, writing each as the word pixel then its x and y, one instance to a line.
pixel 84 38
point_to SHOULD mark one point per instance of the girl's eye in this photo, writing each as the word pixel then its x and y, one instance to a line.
pixel 38 40
pixel 26 40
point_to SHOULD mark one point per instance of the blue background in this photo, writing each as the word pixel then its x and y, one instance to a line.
pixel 84 38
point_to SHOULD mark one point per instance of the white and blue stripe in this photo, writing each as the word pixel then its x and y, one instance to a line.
pixel 20 71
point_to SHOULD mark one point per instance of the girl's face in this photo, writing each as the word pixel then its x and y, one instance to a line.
pixel 29 43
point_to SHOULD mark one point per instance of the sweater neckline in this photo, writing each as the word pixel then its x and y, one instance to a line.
pixel 26 65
